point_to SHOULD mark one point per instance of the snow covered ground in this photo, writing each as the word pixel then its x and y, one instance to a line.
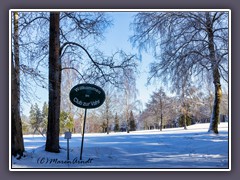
pixel 171 149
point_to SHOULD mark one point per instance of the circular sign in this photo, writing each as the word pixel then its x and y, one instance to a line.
pixel 87 96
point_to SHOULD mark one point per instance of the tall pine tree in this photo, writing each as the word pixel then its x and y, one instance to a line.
pixel 45 116
pixel 35 118
pixel 132 123
pixel 38 119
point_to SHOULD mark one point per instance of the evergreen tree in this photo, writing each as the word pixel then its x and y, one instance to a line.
pixel 123 126
pixel 66 122
pixel 116 122
pixel 25 124
pixel 44 116
pixel 36 119
pixel 132 123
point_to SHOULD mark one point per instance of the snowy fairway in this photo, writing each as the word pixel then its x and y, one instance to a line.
pixel 170 149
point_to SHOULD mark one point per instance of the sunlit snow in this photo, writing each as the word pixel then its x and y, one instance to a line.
pixel 173 148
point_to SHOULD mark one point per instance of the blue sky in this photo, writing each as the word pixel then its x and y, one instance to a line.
pixel 116 38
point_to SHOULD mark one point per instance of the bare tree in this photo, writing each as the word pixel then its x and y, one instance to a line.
pixel 33 42
pixel 182 88
pixel 148 119
pixel 27 54
pixel 129 96
pixel 102 69
pixel 17 137
pixel 107 115
pixel 186 45
pixel 73 32
pixel 158 105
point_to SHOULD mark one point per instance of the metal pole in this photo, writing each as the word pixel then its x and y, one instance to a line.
pixel 67 149
pixel 85 114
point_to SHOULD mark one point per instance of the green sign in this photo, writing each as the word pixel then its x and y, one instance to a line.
pixel 87 96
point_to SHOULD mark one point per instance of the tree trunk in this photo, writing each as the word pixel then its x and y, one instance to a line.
pixel 216 106
pixel 161 125
pixel 107 101
pixel 107 125
pixel 185 120
pixel 216 79
pixel 107 121
pixel 127 128
pixel 217 100
pixel 107 113
pixel 52 142
pixel 17 136
pixel 184 107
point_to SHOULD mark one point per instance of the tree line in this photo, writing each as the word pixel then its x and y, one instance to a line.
pixel 162 111
pixel 167 111
pixel 97 122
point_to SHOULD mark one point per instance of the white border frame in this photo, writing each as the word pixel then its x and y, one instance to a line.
pixel 120 10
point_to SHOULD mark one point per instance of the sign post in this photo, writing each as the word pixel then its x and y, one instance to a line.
pixel 85 114
pixel 87 96
pixel 68 136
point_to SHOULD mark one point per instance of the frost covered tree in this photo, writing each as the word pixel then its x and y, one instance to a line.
pixel 157 106
pixel 186 45
pixel 68 41
pixel 129 95
pixel 107 110
pixel 94 67
pixel 29 37
pixel 116 123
